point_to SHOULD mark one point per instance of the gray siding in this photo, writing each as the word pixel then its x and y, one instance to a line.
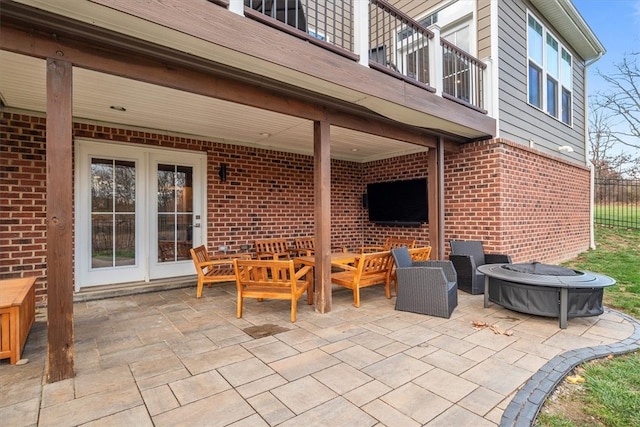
pixel 519 121
pixel 416 8
pixel 484 28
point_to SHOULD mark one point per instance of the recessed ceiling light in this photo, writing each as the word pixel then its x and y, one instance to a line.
pixel 118 108
pixel 265 134
pixel 354 149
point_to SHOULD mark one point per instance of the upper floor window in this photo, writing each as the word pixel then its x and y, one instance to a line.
pixel 425 22
pixel 549 72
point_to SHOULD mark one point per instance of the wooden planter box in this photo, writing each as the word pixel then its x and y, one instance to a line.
pixel 17 314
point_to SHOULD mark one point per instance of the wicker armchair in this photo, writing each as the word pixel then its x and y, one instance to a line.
pixel 467 256
pixel 425 287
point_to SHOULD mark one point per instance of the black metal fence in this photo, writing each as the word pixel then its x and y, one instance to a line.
pixel 617 202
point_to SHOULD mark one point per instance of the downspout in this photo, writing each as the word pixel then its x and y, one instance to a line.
pixel 441 197
pixel 495 67
pixel 587 161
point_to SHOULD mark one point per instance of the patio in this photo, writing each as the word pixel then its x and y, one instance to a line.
pixel 167 358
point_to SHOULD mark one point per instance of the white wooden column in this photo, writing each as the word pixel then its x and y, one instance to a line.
pixel 361 30
pixel 490 100
pixel 237 6
pixel 435 60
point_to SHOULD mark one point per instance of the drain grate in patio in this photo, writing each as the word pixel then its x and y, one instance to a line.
pixel 262 331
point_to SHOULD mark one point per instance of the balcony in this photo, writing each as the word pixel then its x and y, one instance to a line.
pixel 378 35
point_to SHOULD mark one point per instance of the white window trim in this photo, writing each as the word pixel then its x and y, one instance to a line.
pixel 142 155
pixel 544 72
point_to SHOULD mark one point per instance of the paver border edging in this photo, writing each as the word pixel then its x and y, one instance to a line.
pixel 526 404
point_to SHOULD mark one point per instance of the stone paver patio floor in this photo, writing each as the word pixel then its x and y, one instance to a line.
pixel 168 359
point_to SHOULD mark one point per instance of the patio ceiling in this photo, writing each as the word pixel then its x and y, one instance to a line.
pixel 166 110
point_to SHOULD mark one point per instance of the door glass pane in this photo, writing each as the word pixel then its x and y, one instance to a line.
pixel 112 230
pixel 101 240
pixel 125 187
pixel 125 242
pixel 175 212
pixel 101 185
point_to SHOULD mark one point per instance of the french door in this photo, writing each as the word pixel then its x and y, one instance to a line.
pixel 138 212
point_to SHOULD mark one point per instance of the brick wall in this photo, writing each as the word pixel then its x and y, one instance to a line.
pixel 23 199
pixel 517 201
pixel 513 198
pixel 270 194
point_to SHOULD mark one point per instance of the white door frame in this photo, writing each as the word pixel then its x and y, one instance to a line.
pixel 145 158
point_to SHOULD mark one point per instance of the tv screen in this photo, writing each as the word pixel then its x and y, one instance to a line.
pixel 399 202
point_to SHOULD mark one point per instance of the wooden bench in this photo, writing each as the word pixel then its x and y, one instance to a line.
pixel 216 269
pixel 272 279
pixel 17 314
pixel 371 269
pixel 274 249
pixel 390 243
pixel 306 246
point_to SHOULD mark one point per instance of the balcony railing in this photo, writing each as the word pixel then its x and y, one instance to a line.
pixel 462 76
pixel 398 43
pixel 394 43
pixel 327 23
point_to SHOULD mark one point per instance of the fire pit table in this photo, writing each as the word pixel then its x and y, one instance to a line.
pixel 545 290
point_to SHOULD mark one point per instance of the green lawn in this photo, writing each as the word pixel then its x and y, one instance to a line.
pixel 610 395
pixel 617 254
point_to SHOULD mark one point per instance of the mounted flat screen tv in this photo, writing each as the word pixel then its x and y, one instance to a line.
pixel 398 202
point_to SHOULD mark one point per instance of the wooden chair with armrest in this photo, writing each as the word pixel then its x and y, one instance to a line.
pixel 275 249
pixel 390 243
pixel 272 280
pixel 370 269
pixel 306 246
pixel 215 269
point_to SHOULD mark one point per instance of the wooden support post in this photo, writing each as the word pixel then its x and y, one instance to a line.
pixel 59 220
pixel 322 185
pixel 434 189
